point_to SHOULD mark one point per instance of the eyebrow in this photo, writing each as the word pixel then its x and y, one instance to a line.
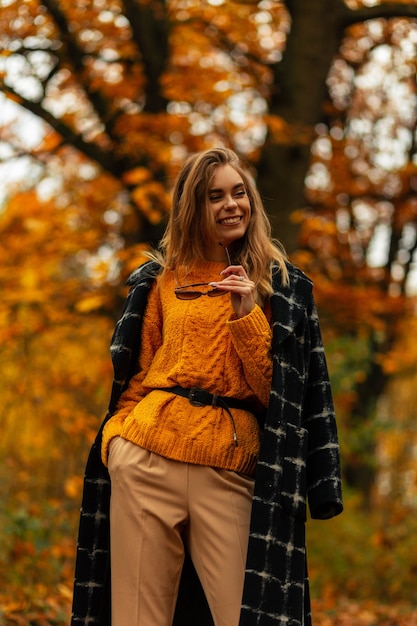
pixel 242 184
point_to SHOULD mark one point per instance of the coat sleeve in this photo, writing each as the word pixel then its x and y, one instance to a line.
pixel 323 456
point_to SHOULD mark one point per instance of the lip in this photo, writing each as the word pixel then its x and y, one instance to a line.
pixel 230 221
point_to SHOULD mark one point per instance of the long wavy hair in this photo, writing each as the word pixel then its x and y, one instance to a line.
pixel 191 220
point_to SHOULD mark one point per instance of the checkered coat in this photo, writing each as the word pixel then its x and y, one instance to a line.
pixel 298 465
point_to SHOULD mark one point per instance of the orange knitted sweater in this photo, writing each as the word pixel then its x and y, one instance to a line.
pixel 196 343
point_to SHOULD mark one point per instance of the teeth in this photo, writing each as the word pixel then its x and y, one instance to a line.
pixel 230 220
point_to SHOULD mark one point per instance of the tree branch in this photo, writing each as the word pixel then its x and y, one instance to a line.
pixel 348 17
pixel 76 57
pixel 91 150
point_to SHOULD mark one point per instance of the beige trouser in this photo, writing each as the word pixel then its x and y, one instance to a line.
pixel 157 506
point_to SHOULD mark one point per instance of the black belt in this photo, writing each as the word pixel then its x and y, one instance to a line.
pixel 201 397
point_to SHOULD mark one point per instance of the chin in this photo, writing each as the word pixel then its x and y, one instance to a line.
pixel 233 235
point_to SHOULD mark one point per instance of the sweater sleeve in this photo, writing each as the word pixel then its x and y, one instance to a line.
pixel 151 340
pixel 251 336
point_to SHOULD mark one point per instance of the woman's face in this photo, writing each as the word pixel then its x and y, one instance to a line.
pixel 228 200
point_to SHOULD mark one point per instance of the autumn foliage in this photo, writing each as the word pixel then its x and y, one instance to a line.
pixel 100 103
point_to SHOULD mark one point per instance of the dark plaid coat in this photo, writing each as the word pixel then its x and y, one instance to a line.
pixel 298 464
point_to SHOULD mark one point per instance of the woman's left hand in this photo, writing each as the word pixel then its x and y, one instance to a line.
pixel 241 288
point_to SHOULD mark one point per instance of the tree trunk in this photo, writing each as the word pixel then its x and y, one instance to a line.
pixel 298 94
pixel 297 99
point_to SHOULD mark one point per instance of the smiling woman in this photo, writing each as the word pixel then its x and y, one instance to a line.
pixel 216 405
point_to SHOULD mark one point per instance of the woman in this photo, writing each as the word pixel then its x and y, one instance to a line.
pixel 220 425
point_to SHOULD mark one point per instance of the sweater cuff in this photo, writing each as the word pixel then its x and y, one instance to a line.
pixel 112 429
pixel 250 326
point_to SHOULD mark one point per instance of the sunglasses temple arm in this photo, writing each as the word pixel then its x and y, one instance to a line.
pixel 227 253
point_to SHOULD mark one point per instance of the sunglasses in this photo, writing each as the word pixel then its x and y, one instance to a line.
pixel 187 292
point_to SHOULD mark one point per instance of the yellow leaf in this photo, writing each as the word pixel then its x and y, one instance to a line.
pixel 90 303
pixel 136 176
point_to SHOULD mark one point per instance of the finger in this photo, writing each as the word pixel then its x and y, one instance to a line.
pixel 233 270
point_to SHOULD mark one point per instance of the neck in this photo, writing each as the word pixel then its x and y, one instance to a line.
pixel 218 254
pixel 215 258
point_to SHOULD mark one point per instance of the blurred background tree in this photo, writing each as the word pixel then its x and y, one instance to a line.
pixel 101 101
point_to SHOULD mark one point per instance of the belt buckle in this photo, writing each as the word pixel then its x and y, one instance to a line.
pixel 192 397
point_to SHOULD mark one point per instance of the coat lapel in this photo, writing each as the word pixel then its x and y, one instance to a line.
pixel 289 303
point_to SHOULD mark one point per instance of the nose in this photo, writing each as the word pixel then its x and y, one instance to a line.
pixel 230 202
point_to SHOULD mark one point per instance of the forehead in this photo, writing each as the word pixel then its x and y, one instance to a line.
pixel 225 176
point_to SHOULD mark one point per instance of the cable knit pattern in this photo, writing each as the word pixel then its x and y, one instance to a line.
pixel 196 343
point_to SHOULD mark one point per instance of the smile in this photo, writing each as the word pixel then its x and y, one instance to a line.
pixel 230 221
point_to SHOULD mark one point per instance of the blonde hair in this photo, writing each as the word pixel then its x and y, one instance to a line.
pixel 190 220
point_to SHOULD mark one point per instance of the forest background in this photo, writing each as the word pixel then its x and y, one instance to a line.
pixel 100 102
